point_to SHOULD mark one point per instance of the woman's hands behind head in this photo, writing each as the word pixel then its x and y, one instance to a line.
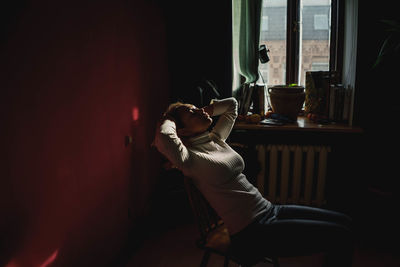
pixel 209 109
pixel 189 119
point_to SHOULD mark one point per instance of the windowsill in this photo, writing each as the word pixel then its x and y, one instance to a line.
pixel 303 124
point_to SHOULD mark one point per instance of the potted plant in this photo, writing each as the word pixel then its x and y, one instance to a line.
pixel 287 100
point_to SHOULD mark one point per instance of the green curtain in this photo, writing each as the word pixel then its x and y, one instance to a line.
pixel 246 36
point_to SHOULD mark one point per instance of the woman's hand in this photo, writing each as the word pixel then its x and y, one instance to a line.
pixel 166 117
pixel 209 109
pixel 162 119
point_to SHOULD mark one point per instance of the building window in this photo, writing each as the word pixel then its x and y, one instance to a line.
pixel 318 66
pixel 264 23
pixel 321 22
pixel 302 36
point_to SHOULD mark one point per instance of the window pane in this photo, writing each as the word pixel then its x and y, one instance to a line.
pixel 264 23
pixel 320 22
pixel 314 36
pixel 273 35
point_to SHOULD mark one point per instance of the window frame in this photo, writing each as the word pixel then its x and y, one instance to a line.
pixel 293 39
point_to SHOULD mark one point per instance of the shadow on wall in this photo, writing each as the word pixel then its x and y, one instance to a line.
pixel 76 79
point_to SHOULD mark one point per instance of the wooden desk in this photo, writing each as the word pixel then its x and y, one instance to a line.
pixel 303 124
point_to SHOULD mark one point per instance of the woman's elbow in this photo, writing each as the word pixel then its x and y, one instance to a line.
pixel 233 107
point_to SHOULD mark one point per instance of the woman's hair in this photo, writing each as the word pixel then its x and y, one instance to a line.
pixel 172 112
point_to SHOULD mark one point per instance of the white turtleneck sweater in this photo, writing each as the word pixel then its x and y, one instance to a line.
pixel 215 167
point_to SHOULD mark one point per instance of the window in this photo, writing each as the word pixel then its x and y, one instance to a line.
pixel 275 39
pixel 264 23
pixel 321 22
pixel 316 66
pixel 301 36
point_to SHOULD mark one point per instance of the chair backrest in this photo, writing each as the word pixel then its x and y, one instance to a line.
pixel 206 217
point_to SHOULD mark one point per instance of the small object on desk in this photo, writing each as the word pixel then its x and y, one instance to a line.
pixel 272 122
pixel 281 118
pixel 316 118
pixel 253 118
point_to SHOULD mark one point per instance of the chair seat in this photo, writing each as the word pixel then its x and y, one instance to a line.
pixel 219 239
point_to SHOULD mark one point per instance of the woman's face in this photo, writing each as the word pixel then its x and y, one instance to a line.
pixel 195 120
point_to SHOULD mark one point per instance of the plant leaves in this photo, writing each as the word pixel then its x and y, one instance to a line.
pixel 394 23
pixel 382 52
pixel 392 43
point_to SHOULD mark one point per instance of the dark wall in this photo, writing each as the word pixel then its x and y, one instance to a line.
pixel 377 111
pixel 76 78
pixel 199 46
pixel 377 95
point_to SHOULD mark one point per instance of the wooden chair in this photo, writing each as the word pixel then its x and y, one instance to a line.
pixel 214 236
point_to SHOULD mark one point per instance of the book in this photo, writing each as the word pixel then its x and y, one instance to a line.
pixel 258 99
pixel 246 99
pixel 318 92
pixel 339 103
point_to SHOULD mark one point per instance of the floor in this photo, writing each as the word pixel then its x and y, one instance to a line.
pixel 175 247
pixel 378 239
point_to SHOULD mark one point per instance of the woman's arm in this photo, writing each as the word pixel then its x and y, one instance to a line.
pixel 170 145
pixel 227 108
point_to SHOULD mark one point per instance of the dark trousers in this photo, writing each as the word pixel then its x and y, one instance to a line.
pixel 294 230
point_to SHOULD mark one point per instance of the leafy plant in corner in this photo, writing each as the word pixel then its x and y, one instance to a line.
pixel 391 45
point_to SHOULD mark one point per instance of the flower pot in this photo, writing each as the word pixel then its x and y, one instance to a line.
pixel 287 101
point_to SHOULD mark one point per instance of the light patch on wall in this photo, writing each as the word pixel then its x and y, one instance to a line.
pixel 46 263
pixel 135 113
pixel 50 259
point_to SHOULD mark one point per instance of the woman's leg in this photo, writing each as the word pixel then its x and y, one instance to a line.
pixel 311 213
pixel 295 231
pixel 300 230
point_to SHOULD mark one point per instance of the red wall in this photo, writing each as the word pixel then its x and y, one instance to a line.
pixel 71 75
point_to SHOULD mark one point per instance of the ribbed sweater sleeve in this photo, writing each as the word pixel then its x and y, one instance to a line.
pixel 170 145
pixel 227 108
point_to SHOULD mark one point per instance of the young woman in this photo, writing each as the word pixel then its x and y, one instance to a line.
pixel 256 226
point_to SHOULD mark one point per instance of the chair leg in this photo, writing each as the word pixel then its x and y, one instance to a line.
pixel 205 259
pixel 275 262
pixel 226 261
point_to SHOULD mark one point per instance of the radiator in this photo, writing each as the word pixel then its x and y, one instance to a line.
pixel 293 174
